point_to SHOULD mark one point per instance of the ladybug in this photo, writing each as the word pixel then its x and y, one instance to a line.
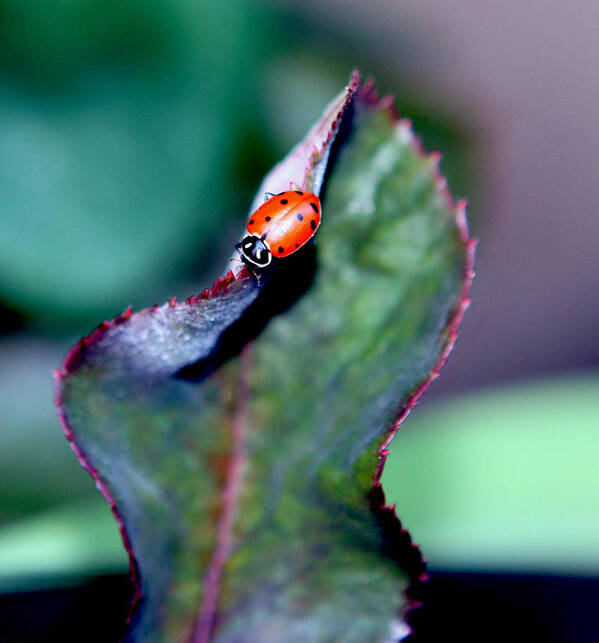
pixel 279 227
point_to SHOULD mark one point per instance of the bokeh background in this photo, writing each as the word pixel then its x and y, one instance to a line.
pixel 132 138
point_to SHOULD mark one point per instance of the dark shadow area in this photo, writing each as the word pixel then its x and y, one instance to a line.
pixel 461 607
pixel 282 284
pixel 469 607
pixel 93 612
pixel 10 320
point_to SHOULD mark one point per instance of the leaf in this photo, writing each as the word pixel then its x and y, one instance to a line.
pixel 247 488
pixel 505 479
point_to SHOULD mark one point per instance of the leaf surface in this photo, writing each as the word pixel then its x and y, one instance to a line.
pixel 247 487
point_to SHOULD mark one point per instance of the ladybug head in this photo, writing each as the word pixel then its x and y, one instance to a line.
pixel 254 251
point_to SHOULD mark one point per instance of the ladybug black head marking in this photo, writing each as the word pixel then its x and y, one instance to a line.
pixel 254 251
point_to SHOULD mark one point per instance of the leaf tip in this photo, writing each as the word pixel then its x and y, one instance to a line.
pixel 355 78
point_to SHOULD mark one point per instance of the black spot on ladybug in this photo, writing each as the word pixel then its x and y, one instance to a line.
pixel 298 192
pixel 267 218
pixel 297 245
pixel 251 221
pixel 284 202
pixel 314 207
pixel 300 217
pixel 313 224
pixel 281 250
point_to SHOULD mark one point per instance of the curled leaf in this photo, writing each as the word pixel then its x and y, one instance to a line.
pixel 247 488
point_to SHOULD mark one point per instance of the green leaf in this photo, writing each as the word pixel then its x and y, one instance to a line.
pixel 504 479
pixel 247 488
pixel 60 547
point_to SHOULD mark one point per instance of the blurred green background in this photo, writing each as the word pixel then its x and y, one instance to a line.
pixel 132 138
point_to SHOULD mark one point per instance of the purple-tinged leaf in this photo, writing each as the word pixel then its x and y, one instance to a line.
pixel 306 164
pixel 247 488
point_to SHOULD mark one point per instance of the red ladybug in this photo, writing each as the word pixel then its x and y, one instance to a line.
pixel 279 227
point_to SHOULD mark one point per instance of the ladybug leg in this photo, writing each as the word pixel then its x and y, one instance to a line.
pixel 268 195
pixel 255 274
